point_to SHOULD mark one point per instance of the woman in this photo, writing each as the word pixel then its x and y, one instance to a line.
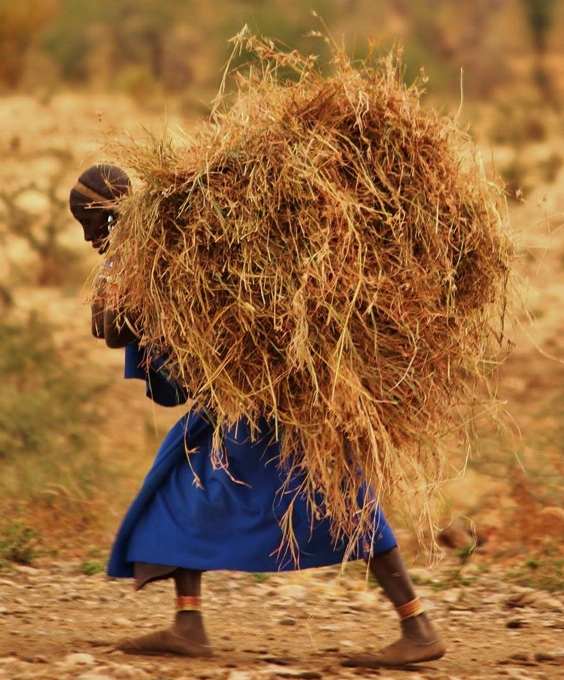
pixel 192 516
pixel 92 203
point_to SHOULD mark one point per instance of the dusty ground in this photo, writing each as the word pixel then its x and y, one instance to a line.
pixel 58 623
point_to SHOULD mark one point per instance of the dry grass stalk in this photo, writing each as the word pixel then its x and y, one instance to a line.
pixel 327 253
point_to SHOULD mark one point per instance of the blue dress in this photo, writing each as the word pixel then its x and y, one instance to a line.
pixel 191 514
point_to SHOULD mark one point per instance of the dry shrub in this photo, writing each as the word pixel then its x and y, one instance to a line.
pixel 326 253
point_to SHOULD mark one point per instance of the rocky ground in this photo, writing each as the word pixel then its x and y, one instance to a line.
pixel 58 623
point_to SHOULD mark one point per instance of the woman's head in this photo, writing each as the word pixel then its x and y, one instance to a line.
pixel 92 201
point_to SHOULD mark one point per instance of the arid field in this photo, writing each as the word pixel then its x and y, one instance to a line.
pixel 497 585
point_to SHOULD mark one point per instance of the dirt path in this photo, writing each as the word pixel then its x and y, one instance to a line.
pixel 58 623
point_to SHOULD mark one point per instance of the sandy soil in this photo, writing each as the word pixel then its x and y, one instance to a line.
pixel 58 623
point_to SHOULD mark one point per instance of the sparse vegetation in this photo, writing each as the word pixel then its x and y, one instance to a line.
pixel 179 47
pixel 38 429
pixel 260 577
pixel 18 543
pixel 542 571
pixel 92 567
pixel 48 440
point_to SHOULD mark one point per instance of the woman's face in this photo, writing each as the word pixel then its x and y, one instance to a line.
pixel 96 227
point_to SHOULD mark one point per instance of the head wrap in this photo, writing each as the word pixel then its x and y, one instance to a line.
pixel 98 187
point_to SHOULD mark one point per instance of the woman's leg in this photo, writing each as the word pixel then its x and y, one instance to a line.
pixel 390 572
pixel 189 621
pixel 419 639
pixel 187 635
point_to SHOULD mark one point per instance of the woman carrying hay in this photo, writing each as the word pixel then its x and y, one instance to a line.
pixel 191 516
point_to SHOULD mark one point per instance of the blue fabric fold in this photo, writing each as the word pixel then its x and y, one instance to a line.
pixel 196 513
pixel 140 364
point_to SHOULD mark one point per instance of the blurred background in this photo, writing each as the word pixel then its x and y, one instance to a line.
pixel 75 439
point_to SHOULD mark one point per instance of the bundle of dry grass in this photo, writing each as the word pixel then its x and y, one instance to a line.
pixel 328 253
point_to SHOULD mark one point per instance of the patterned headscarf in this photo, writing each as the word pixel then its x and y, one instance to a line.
pixel 98 187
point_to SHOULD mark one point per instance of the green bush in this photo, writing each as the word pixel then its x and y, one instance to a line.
pixel 18 543
pixel 47 417
pixel 92 567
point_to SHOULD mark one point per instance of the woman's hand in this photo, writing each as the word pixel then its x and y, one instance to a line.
pixel 118 329
pixel 108 321
pixel 97 309
pixel 101 294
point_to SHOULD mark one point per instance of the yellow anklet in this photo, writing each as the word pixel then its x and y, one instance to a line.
pixel 410 609
pixel 188 603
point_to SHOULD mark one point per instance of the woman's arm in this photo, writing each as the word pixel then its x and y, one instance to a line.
pixel 118 329
pixel 97 309
pixel 109 323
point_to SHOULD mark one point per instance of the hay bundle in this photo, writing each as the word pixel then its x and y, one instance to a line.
pixel 327 253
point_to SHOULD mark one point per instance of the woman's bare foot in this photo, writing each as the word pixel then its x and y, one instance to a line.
pixel 403 652
pixel 164 642
pixel 419 642
pixel 186 637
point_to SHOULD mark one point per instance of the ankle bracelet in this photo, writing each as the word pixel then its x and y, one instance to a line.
pixel 188 603
pixel 410 609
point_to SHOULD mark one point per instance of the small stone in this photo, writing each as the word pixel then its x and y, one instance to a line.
pixel 347 643
pixel 239 675
pixel 280 660
pixel 128 672
pixel 79 659
pixel 518 674
pixel 544 656
pixel 123 622
pixel 551 603
pixel 287 622
pixel 299 673
pixel 366 598
pixel 556 658
pixel 452 596
pixel 34 659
